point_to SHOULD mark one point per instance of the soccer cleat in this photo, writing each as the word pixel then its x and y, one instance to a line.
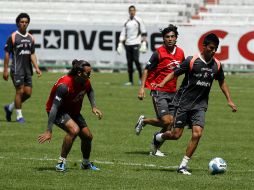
pixel 158 153
pixel 128 84
pixel 140 124
pixel 183 171
pixel 89 166
pixel 21 120
pixel 7 113
pixel 155 145
pixel 60 167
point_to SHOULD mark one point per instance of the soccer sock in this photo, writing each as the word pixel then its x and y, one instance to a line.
pixel 11 106
pixel 184 162
pixel 159 138
pixel 19 113
pixel 62 159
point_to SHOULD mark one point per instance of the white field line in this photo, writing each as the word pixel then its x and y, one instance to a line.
pixel 99 162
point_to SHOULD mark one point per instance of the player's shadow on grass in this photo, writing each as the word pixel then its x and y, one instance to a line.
pixel 41 169
pixel 138 152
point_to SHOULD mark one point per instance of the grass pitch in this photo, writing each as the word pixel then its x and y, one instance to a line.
pixel 121 155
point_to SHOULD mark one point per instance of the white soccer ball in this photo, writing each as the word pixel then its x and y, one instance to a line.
pixel 217 166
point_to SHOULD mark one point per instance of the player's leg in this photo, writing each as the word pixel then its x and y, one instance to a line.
pixel 136 60
pixel 197 119
pixel 164 116
pixel 129 57
pixel 173 134
pixel 65 122
pixel 27 88
pixel 86 138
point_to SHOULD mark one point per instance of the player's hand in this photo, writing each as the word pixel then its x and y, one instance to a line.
pixel 233 106
pixel 120 48
pixel 45 137
pixel 5 75
pixel 143 47
pixel 97 112
pixel 141 93
pixel 39 73
pixel 154 85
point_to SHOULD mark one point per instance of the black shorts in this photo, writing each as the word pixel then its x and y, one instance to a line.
pixel 19 80
pixel 162 102
pixel 62 118
pixel 190 117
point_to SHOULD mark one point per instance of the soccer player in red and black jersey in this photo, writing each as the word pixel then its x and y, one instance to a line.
pixel 162 62
pixel 21 45
pixel 200 71
pixel 63 108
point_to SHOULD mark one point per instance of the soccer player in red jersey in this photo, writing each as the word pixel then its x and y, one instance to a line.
pixel 20 45
pixel 200 72
pixel 162 62
pixel 63 107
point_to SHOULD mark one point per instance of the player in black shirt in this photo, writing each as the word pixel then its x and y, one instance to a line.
pixel 21 45
pixel 191 100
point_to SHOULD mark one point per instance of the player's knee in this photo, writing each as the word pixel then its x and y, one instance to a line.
pixel 197 134
pixel 74 131
pixel 166 123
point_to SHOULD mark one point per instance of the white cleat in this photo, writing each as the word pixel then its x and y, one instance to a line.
pixel 183 171
pixel 157 153
pixel 140 124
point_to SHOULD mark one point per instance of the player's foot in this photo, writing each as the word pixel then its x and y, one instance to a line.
pixel 60 167
pixel 158 153
pixel 183 171
pixel 89 166
pixel 21 120
pixel 7 113
pixel 155 145
pixel 140 124
pixel 128 84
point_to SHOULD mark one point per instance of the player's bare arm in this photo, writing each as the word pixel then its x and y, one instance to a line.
pixel 6 63
pixel 165 80
pixel 141 92
pixel 34 62
pixel 225 90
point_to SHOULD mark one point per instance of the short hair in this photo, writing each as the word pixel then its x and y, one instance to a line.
pixel 211 38
pixel 22 15
pixel 170 28
pixel 132 6
pixel 78 66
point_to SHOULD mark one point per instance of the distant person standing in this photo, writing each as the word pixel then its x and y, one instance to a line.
pixel 133 37
pixel 21 45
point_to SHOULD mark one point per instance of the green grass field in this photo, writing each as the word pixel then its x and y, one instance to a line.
pixel 121 155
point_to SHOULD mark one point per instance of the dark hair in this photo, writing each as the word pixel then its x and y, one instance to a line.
pixel 170 28
pixel 132 6
pixel 78 66
pixel 22 15
pixel 211 38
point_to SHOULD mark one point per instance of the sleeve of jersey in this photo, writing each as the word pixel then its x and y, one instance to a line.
pixel 61 91
pixel 153 61
pixel 8 46
pixel 91 97
pixel 142 28
pixel 220 75
pixel 122 34
pixel 183 68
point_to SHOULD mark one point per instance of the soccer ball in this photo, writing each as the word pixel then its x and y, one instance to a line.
pixel 217 166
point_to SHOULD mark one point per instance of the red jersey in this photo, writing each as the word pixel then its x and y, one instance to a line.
pixel 166 62
pixel 72 102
